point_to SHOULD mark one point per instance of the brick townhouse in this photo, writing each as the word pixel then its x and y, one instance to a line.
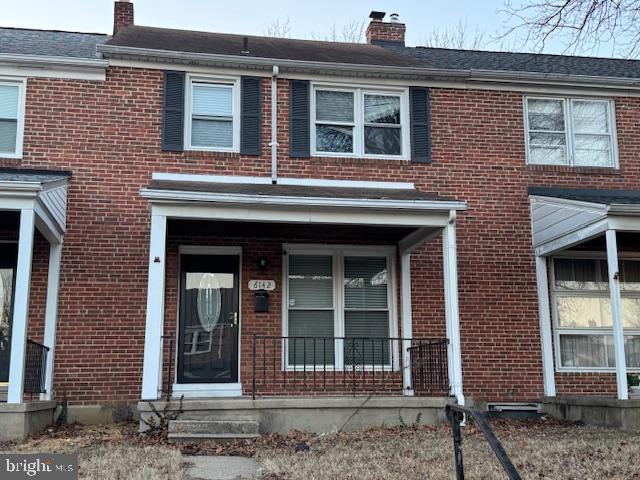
pixel 285 232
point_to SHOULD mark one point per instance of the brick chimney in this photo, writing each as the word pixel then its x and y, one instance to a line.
pixel 381 31
pixel 122 15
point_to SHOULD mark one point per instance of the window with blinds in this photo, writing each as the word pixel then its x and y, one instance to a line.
pixel 366 310
pixel 9 119
pixel 582 312
pixel 212 116
pixel 311 309
pixel 361 313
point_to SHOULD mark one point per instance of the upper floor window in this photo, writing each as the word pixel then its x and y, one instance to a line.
pixel 11 119
pixel 359 122
pixel 570 131
pixel 212 121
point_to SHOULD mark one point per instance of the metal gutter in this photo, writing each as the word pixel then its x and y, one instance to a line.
pixel 43 60
pixel 242 199
pixel 623 209
pixel 266 64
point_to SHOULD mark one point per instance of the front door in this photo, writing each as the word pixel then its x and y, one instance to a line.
pixel 209 319
pixel 8 257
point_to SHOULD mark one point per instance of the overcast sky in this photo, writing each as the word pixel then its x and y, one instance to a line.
pixel 307 18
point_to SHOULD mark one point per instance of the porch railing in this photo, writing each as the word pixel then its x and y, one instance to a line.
pixel 297 365
pixel 429 371
pixel 35 368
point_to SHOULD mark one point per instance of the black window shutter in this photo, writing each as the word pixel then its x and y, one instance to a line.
pixel 299 118
pixel 420 125
pixel 173 112
pixel 251 116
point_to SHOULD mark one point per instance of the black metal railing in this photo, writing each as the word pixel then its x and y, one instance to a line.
pixel 167 390
pixel 455 414
pixel 35 368
pixel 429 370
pixel 337 365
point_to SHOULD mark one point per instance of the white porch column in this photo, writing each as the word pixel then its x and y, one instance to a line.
pixel 452 313
pixel 21 307
pixel 546 338
pixel 407 326
pixel 152 368
pixel 51 315
pixel 616 314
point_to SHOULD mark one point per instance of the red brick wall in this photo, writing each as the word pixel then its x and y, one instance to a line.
pixel 261 241
pixel 109 136
pixel 386 32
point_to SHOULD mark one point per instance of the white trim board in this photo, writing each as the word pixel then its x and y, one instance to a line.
pixel 309 182
pixel 205 390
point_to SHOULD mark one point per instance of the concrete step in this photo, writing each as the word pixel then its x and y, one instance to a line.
pixel 213 429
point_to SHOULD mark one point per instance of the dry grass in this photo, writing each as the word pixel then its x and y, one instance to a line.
pixel 540 450
pixel 107 452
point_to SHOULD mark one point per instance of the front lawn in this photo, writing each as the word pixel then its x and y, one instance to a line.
pixel 540 449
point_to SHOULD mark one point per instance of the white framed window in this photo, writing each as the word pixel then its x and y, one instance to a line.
pixel 212 114
pixel 360 122
pixel 12 107
pixel 570 131
pixel 582 312
pixel 346 293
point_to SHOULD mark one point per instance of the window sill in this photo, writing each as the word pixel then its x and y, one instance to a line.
pixel 570 169
pixel 592 371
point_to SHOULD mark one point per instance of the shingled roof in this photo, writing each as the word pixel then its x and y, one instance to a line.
pixel 50 43
pixel 590 195
pixel 383 54
pixel 480 60
pixel 258 47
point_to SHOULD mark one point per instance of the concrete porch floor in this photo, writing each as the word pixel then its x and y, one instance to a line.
pixel 19 420
pixel 314 414
pixel 593 410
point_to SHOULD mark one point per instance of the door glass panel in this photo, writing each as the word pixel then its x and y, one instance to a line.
pixel 209 320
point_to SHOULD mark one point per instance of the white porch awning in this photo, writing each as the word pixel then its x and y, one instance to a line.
pixel 40 197
pixel 303 201
pixel 44 192
pixel 562 218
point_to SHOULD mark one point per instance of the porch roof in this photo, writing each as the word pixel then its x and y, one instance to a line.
pixel 44 191
pixel 304 195
pixel 563 217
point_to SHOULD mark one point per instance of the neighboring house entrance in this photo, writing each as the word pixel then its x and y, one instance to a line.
pixel 8 256
pixel 209 319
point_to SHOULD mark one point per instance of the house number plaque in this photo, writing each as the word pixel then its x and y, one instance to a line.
pixel 267 285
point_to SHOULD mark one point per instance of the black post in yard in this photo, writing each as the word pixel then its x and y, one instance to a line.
pixel 455 414
pixel 455 419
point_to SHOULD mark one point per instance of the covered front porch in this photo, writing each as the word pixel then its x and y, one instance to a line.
pixel 263 292
pixel 588 266
pixel 32 214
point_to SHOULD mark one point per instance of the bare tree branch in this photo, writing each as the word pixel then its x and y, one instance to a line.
pixel 583 26
pixel 278 28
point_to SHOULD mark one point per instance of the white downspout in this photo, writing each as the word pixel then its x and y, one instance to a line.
pixel 274 124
